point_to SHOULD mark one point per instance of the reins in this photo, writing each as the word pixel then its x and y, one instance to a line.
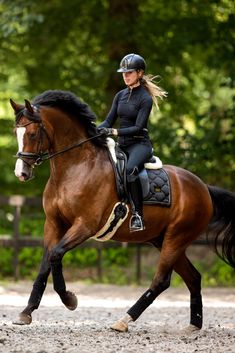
pixel 47 156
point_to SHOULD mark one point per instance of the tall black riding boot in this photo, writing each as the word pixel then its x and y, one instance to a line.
pixel 136 221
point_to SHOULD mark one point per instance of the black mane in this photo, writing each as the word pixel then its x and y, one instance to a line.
pixel 70 104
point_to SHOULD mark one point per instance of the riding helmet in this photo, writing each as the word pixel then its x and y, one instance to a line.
pixel 132 62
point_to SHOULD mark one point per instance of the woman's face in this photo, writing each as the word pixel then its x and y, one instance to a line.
pixel 131 79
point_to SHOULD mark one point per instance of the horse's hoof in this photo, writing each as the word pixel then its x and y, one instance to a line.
pixel 24 319
pixel 71 301
pixel 120 326
pixel 189 329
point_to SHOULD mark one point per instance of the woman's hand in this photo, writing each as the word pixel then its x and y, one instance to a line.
pixel 107 131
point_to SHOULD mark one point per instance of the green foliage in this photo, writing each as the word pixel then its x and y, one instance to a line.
pixel 119 257
pixel 81 258
pixel 6 219
pixel 31 223
pixel 29 260
pixel 118 267
pixel 217 274
pixel 6 263
pixel 220 273
pixel 114 263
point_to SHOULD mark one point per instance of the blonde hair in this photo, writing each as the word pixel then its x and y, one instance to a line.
pixel 154 90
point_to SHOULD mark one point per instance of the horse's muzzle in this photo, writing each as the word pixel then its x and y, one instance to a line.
pixel 23 170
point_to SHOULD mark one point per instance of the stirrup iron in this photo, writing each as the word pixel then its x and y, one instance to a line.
pixel 136 223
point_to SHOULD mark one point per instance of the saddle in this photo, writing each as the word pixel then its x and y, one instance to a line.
pixel 154 180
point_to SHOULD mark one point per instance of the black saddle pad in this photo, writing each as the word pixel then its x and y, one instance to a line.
pixel 155 184
pixel 159 188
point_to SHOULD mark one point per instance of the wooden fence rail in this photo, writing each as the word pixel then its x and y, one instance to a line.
pixel 16 241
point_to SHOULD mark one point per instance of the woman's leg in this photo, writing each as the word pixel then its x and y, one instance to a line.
pixel 138 154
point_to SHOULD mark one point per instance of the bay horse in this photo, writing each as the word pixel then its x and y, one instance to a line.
pixel 81 192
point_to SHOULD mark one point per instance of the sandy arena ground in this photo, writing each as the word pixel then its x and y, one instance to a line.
pixel 87 329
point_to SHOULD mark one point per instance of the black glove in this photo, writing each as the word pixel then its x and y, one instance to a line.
pixel 106 131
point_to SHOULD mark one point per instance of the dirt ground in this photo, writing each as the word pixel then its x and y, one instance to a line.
pixel 87 329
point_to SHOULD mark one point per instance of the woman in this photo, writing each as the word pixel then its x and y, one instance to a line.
pixel 132 106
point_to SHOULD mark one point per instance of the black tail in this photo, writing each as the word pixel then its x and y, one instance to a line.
pixel 223 224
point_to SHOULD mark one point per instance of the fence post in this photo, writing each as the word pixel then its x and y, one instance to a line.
pixel 138 263
pixel 16 201
pixel 99 263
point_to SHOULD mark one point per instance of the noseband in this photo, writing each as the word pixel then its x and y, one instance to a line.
pixel 40 156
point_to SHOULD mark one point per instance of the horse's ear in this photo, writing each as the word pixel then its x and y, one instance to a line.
pixel 15 106
pixel 28 106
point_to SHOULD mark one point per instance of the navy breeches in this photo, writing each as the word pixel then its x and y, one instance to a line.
pixel 137 155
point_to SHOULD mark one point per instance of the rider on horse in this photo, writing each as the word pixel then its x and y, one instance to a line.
pixel 132 106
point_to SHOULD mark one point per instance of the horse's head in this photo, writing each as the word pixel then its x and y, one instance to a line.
pixel 30 133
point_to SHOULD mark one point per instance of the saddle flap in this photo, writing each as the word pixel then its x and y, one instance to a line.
pixel 144 181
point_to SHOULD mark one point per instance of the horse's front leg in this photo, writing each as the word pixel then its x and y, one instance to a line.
pixel 68 298
pixel 39 286
pixel 71 239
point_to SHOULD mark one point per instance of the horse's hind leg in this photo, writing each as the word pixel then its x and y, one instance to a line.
pixel 39 286
pixel 192 279
pixel 160 283
pixel 170 258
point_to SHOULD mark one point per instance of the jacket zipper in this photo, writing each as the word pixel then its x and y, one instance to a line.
pixel 129 95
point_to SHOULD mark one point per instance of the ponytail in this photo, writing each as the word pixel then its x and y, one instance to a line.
pixel 154 90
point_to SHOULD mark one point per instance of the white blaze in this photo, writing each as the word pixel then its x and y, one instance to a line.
pixel 20 138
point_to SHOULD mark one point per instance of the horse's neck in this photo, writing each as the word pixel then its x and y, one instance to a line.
pixel 64 133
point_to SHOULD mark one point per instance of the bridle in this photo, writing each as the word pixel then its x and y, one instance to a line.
pixel 39 157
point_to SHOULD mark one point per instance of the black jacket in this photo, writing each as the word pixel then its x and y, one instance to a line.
pixel 132 107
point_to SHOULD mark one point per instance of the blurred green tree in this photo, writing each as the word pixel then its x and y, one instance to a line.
pixel 77 46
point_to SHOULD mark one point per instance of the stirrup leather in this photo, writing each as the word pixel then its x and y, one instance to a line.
pixel 136 223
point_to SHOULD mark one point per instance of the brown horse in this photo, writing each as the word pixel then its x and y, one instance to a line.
pixel 81 193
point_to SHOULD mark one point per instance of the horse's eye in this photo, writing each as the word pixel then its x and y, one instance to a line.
pixel 32 135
